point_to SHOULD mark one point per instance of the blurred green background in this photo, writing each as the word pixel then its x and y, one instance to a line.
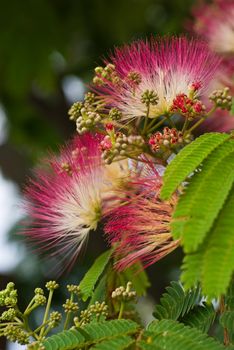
pixel 48 50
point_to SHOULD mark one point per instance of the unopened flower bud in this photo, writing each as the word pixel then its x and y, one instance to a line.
pixel 52 285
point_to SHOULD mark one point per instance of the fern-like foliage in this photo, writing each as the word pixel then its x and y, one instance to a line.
pixel 118 343
pixel 213 263
pixel 176 302
pixel 204 219
pixel 170 334
pixel 188 160
pixel 204 197
pixel 91 277
pixel 93 334
pixel 185 306
pixel 201 317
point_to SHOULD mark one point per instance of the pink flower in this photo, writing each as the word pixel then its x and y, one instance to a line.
pixel 65 201
pixel 215 22
pixel 140 229
pixel 168 67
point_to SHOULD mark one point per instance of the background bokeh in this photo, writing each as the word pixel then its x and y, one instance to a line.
pixel 48 50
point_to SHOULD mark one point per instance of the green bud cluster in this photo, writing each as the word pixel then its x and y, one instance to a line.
pixel 149 97
pixel 124 294
pixel 16 334
pixel 52 285
pixel 122 147
pixel 8 296
pixel 70 306
pixel 73 288
pixel 14 323
pixel 54 319
pixel 85 317
pixel 89 99
pixel 221 98
pixel 8 315
pixel 75 111
pixel 108 73
pixel 87 120
pixel 115 114
pixel 40 299
pixel 99 309
pixel 94 311
pixel 39 291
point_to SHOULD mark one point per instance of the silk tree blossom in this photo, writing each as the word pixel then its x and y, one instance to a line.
pixel 146 77
pixel 140 229
pixel 215 22
pixel 66 201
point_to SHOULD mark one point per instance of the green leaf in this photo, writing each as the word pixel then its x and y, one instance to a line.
pixel 176 302
pixel 118 343
pixel 204 197
pixel 99 293
pixel 91 277
pixel 191 269
pixel 91 334
pixel 201 317
pixel 213 263
pixel 218 263
pixel 170 334
pixel 188 159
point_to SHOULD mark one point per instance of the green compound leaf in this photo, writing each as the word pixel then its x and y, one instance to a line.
pixel 91 277
pixel 191 269
pixel 188 159
pixel 176 302
pixel 170 334
pixel 118 343
pixel 201 317
pixel 92 334
pixel 213 263
pixel 218 263
pixel 204 197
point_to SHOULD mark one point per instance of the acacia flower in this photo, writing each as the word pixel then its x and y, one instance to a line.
pixel 66 201
pixel 215 22
pixel 145 77
pixel 140 229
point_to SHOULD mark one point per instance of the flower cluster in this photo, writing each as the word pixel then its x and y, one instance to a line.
pixel 213 22
pixel 93 312
pixel 145 105
pixel 117 145
pixel 188 107
pixel 169 138
pixel 165 69
pixel 145 86
pixel 14 322
pixel 66 200
pixel 124 294
pixel 141 227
